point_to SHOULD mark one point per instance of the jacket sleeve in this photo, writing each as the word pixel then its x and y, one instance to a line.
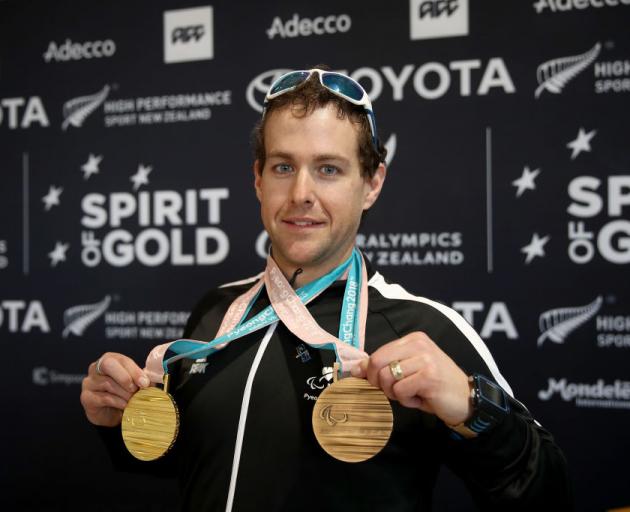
pixel 515 466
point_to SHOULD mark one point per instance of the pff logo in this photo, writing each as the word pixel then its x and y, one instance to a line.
pixel 430 19
pixel 305 27
pixel 188 35
pixel 77 51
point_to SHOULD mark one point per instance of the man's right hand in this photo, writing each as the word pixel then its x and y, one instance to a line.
pixel 104 394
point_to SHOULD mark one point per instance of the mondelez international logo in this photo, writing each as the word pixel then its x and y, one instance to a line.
pixel 553 75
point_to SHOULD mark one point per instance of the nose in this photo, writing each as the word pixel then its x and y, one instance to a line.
pixel 303 188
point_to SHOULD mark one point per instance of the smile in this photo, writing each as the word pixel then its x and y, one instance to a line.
pixel 302 223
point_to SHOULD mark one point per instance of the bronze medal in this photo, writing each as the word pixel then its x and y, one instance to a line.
pixel 352 420
pixel 150 423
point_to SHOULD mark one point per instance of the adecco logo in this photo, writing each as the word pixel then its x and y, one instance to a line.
pixel 569 5
pixel 305 27
pixel 77 51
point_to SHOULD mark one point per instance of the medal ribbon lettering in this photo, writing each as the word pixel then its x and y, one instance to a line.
pixel 289 306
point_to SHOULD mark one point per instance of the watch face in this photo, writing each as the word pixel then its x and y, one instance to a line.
pixel 490 392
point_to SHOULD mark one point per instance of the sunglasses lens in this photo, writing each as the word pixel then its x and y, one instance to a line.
pixel 288 81
pixel 342 85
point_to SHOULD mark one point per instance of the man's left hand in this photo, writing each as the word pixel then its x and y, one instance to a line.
pixel 430 380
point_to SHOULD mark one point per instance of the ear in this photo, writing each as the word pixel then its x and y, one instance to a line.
pixel 257 178
pixel 373 186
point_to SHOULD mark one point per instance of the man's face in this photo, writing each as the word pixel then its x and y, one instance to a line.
pixel 311 190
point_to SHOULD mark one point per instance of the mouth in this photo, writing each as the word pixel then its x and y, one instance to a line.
pixel 302 223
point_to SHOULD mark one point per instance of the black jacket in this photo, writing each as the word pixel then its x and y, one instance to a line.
pixel 516 466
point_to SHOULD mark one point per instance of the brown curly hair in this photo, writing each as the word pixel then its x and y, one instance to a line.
pixel 303 101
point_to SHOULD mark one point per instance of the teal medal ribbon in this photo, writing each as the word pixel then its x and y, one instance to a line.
pixel 349 326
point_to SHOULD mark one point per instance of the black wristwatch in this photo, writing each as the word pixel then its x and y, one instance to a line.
pixel 490 406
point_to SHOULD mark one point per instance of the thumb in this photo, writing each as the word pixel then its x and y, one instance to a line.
pixel 360 370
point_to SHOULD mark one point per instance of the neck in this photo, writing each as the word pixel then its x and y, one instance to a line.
pixel 299 275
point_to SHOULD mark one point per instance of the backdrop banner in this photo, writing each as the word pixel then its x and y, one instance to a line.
pixel 127 192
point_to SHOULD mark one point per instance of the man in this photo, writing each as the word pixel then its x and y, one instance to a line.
pixel 246 441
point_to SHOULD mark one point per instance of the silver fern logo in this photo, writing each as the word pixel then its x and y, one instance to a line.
pixel 557 324
pixel 78 318
pixel 555 74
pixel 77 110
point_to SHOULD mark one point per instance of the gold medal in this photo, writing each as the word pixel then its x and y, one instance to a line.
pixel 352 420
pixel 150 423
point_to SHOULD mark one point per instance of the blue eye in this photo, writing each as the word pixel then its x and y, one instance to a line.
pixel 283 168
pixel 329 170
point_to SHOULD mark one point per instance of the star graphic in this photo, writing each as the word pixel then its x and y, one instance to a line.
pixel 58 254
pixel 535 247
pixel 526 181
pixel 581 143
pixel 52 198
pixel 141 177
pixel 91 166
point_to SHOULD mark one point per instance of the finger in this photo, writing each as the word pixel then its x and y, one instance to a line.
pixel 109 400
pixel 114 367
pixel 360 369
pixel 414 402
pixel 109 385
pixel 95 400
pixel 105 384
pixel 387 380
pixel 413 385
pixel 140 378
pixel 406 347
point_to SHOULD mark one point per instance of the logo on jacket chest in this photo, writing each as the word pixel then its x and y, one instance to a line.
pixel 198 367
pixel 317 383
